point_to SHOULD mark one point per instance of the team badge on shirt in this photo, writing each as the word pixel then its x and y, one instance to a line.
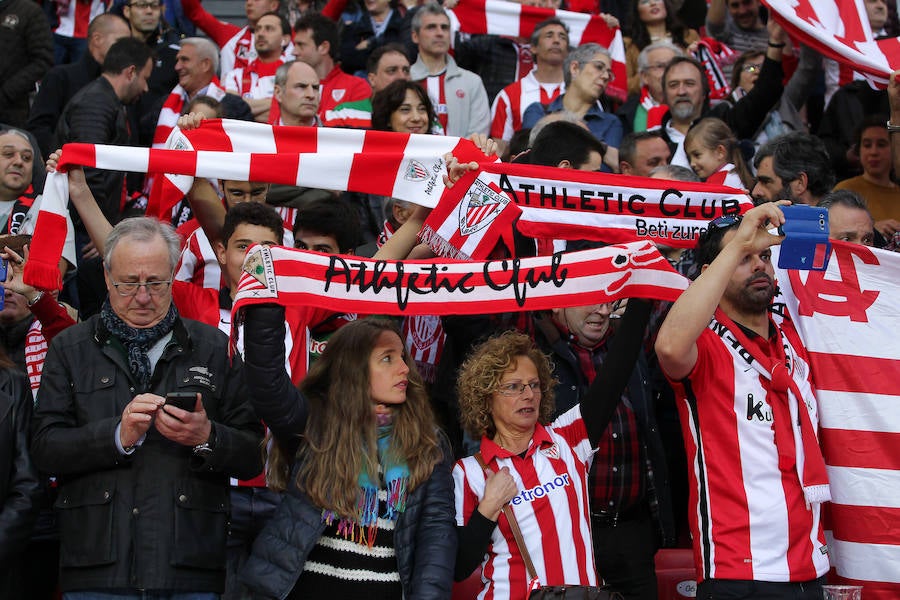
pixel 551 451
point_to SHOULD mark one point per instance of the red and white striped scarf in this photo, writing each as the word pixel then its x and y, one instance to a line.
pixel 172 107
pixel 840 30
pixel 512 18
pixel 713 54
pixel 553 203
pixel 333 158
pixel 426 287
pixel 655 110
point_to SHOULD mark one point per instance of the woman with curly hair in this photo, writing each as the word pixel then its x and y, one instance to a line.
pixel 368 506
pixel 652 21
pixel 536 467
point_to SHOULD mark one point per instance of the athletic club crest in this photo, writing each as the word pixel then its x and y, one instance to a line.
pixel 479 207
pixel 415 171
pixel 551 451
pixel 337 95
pixel 425 330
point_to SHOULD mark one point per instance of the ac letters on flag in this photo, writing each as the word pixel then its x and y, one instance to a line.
pixel 839 29
pixel 848 317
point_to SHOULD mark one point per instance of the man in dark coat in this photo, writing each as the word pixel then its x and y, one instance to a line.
pixel 27 50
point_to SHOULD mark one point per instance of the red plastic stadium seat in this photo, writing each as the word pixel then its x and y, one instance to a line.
pixel 468 588
pixel 675 574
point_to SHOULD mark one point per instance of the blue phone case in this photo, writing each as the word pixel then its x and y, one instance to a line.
pixel 806 245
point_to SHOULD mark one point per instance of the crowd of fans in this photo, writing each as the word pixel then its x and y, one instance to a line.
pixel 108 485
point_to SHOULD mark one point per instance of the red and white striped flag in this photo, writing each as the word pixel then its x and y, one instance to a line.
pixel 840 29
pixel 500 17
pixel 848 317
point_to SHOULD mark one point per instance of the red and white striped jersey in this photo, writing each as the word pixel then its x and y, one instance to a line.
pixel 256 80
pixel 748 515
pixel 75 16
pixel 551 509
pixel 198 263
pixel 510 104
pixel 239 51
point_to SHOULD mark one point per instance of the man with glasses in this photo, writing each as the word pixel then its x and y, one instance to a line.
pixel 143 483
pixel 587 72
pixel 646 109
pixel 748 414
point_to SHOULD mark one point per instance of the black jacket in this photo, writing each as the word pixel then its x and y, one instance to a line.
pixel 27 50
pixel 95 115
pixel 573 385
pixel 358 28
pixel 20 486
pixel 57 88
pixel 155 519
pixel 424 536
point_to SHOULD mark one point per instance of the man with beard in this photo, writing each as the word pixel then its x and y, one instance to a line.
pixel 686 92
pixel 792 167
pixel 749 416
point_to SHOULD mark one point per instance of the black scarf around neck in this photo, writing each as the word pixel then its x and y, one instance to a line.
pixel 137 342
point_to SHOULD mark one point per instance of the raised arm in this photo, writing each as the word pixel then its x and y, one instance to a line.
pixel 676 344
pixel 599 403
pixel 96 223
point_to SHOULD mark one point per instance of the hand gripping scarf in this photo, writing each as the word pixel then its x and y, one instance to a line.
pixel 554 203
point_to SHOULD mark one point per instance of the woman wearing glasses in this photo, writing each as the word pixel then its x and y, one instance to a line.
pixel 536 467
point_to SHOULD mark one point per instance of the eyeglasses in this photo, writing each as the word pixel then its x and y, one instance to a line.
pixel 656 66
pixel 648 2
pixel 751 68
pixel 517 389
pixel 130 288
pixel 145 5
pixel 602 68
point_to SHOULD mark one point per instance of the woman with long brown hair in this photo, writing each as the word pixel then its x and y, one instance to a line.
pixel 368 505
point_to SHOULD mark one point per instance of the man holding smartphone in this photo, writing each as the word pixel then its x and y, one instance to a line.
pixel 749 418
pixel 143 480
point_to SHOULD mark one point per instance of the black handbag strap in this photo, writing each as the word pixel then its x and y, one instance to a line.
pixel 513 525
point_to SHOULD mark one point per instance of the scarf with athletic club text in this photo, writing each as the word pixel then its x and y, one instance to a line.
pixel 441 287
pixel 554 203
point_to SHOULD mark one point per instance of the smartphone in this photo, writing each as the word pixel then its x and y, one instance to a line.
pixel 183 400
pixel 806 245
